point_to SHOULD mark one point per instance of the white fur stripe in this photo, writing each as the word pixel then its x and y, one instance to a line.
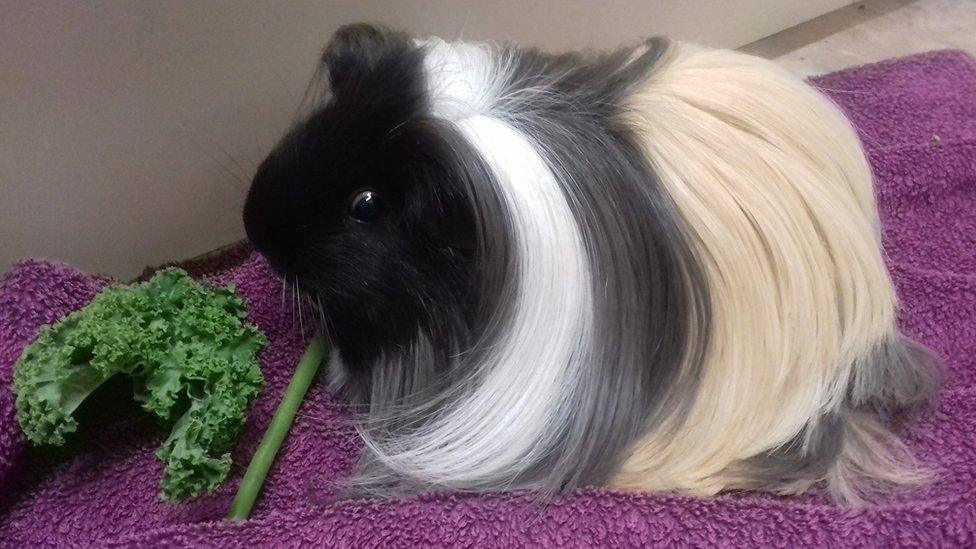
pixel 463 79
pixel 520 402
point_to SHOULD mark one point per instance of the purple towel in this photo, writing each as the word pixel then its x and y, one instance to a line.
pixel 917 118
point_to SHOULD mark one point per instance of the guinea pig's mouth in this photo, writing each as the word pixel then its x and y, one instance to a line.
pixel 306 302
pixel 304 297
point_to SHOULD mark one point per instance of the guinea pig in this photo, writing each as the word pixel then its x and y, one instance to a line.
pixel 653 269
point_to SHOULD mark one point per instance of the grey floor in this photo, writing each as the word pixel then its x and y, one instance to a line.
pixel 870 31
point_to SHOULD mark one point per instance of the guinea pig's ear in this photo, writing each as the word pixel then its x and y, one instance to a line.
pixel 355 51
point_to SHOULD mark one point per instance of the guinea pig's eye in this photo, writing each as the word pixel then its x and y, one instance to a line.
pixel 366 206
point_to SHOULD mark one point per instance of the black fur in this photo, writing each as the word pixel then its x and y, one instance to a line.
pixel 415 269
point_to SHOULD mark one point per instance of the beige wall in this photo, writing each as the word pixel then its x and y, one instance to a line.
pixel 129 130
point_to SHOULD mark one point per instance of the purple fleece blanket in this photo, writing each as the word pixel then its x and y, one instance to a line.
pixel 917 118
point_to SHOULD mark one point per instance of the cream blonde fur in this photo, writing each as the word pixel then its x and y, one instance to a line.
pixel 775 189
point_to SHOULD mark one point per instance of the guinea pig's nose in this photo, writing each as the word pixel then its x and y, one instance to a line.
pixel 262 224
pixel 255 227
pixel 268 239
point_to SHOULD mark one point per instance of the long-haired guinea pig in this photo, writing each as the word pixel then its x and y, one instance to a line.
pixel 653 269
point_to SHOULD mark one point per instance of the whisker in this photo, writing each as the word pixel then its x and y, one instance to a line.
pixel 321 313
pixel 301 320
pixel 282 305
pixel 241 170
pixel 326 319
pixel 293 308
pixel 234 175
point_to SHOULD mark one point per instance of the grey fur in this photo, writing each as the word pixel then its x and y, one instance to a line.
pixel 649 285
pixel 899 380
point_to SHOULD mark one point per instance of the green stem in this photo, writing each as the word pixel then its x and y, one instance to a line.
pixel 280 424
